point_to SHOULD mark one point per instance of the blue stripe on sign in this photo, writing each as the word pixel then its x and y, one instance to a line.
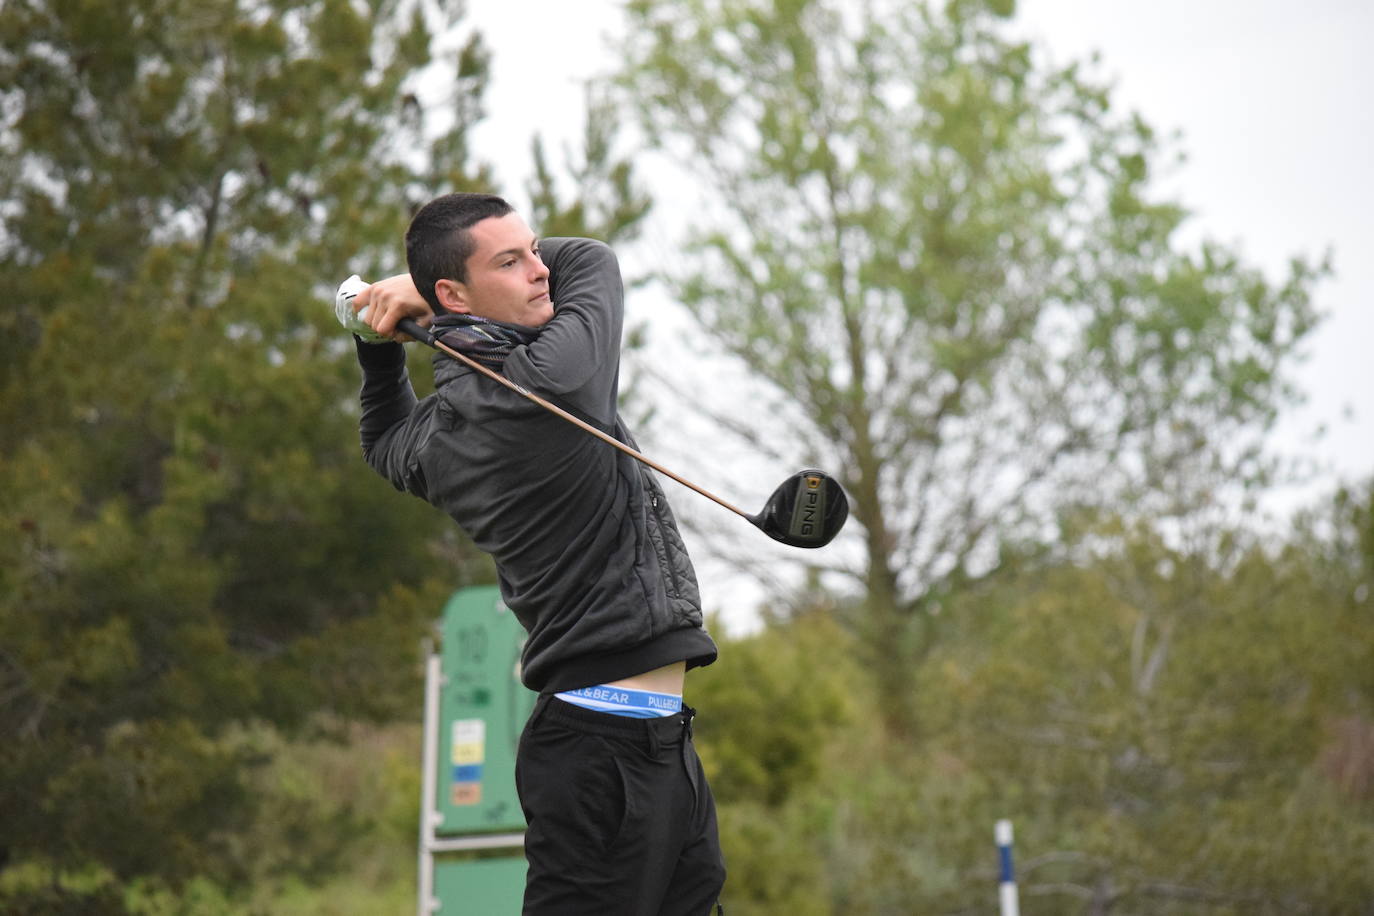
pixel 1005 852
pixel 471 772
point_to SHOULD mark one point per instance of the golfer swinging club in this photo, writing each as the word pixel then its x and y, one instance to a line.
pixel 619 817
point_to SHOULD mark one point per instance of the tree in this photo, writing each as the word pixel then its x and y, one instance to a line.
pixel 196 541
pixel 776 729
pixel 608 204
pixel 1224 769
pixel 1217 770
pixel 944 265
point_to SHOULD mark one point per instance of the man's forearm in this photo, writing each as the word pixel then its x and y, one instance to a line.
pixel 387 398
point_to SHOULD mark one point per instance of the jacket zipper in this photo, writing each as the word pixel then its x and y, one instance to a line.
pixel 663 539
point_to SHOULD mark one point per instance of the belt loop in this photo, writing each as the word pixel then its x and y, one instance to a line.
pixel 652 734
pixel 541 703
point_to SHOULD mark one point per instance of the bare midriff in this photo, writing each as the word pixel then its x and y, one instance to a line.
pixel 667 679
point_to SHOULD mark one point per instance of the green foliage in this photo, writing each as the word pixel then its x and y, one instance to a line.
pixel 196 542
pixel 772 715
pixel 946 266
pixel 338 839
pixel 341 839
pixel 768 708
pixel 1170 733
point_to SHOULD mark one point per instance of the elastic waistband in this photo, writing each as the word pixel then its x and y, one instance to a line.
pixel 622 701
pixel 656 731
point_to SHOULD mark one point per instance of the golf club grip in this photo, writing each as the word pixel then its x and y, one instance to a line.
pixel 424 336
pixel 414 329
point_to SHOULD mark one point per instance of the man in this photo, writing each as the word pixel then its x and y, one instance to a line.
pixel 619 817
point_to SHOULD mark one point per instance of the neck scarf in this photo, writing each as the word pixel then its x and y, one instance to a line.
pixel 487 341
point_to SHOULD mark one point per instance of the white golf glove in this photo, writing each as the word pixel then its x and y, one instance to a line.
pixel 351 320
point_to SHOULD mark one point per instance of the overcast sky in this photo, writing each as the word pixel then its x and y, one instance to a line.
pixel 1270 97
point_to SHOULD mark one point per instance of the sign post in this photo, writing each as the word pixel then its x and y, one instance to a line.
pixel 475 709
pixel 1006 888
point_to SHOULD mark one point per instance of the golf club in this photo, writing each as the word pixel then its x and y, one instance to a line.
pixel 806 510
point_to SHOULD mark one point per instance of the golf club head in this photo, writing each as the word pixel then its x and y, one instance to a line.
pixel 807 510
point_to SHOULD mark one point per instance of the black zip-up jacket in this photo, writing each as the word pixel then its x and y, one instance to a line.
pixel 587 552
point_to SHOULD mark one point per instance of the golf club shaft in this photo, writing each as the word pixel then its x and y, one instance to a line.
pixel 423 335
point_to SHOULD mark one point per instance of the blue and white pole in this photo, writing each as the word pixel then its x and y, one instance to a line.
pixel 1007 887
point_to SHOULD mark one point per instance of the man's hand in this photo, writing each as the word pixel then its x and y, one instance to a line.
pixel 372 310
pixel 388 301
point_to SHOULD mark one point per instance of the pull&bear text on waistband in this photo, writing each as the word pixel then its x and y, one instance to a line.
pixel 622 701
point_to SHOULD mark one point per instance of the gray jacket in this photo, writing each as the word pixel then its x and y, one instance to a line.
pixel 587 552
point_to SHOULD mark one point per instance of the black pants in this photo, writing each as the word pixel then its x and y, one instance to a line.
pixel 619 819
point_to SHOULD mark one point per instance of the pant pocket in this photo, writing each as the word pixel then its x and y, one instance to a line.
pixel 573 789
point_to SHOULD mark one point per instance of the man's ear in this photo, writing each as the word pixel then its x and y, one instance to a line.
pixel 453 296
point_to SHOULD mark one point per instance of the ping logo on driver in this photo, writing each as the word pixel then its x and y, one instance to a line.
pixel 808 511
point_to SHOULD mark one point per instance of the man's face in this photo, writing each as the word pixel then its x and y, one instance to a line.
pixel 507 281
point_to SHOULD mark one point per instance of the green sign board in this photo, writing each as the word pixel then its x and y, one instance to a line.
pixel 482 710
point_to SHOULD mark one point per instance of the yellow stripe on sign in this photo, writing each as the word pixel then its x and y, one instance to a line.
pixel 468 752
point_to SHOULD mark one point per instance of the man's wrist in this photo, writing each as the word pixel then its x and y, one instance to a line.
pixel 386 354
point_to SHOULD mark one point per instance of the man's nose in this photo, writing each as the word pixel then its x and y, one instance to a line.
pixel 539 272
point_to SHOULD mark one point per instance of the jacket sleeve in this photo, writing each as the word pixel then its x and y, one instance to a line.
pixel 578 351
pixel 391 418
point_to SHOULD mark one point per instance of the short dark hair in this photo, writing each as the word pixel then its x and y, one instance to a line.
pixel 438 243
